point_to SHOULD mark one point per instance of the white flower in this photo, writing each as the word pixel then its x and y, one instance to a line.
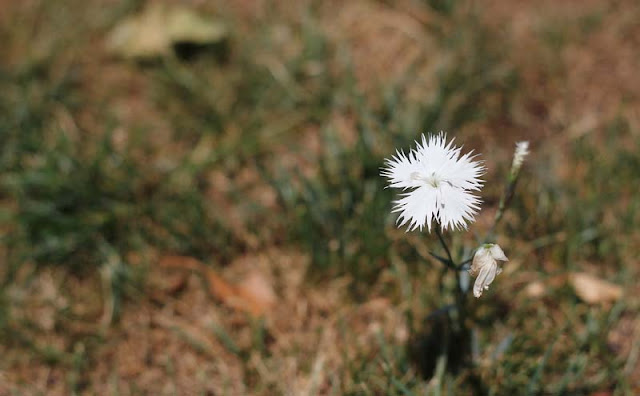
pixel 522 150
pixel 441 181
pixel 485 266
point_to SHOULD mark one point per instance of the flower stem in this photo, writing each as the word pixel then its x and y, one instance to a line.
pixel 465 262
pixel 444 245
pixel 461 302
pixel 460 294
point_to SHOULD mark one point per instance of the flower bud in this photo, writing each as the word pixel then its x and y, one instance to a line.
pixel 522 150
pixel 485 266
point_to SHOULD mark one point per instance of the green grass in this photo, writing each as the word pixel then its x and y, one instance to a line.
pixel 77 200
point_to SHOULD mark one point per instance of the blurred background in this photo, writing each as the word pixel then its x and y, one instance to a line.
pixel 191 201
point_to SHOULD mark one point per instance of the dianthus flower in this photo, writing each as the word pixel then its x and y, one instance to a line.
pixel 441 181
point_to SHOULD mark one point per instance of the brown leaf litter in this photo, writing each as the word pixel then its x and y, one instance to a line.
pixel 196 332
pixel 253 294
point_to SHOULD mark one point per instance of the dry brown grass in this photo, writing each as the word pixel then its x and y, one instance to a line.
pixel 168 339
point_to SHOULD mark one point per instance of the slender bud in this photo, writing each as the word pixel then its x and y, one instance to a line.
pixel 522 150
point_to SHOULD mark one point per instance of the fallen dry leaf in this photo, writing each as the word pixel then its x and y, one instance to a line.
pixel 593 290
pixel 180 262
pixel 154 32
pixel 257 289
pixel 535 289
pixel 254 294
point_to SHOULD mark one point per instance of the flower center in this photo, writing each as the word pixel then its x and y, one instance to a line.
pixel 432 179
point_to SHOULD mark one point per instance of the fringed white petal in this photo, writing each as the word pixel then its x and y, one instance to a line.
pixel 456 207
pixel 417 208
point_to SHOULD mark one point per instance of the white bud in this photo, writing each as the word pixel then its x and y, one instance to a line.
pixel 485 266
pixel 522 150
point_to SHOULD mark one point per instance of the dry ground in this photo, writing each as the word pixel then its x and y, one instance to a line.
pixel 256 325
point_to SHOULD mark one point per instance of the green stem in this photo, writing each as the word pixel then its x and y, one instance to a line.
pixel 465 262
pixel 444 245
pixel 461 302
pixel 505 200
pixel 460 295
